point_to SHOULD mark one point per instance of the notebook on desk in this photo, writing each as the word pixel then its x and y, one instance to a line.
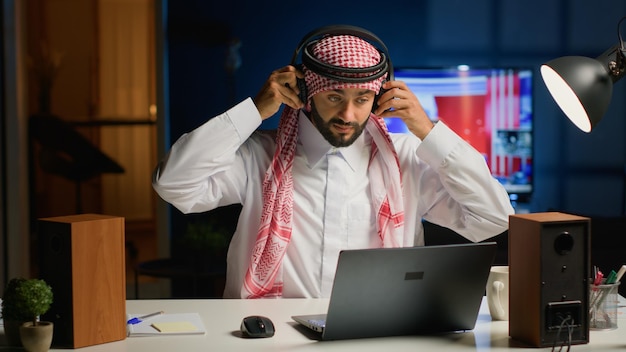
pixel 167 324
pixel 405 291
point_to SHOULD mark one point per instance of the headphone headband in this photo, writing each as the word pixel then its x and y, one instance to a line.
pixel 335 72
pixel 338 29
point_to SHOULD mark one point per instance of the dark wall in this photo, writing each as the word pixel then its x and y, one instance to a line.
pixel 574 172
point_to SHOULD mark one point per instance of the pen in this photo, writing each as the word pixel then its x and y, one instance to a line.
pixel 138 320
pixel 612 278
pixel 598 278
pixel 620 273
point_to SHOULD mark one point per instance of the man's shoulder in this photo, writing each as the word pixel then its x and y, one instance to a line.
pixel 265 137
pixel 261 140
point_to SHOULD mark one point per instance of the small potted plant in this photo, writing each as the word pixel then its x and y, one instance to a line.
pixel 12 317
pixel 23 302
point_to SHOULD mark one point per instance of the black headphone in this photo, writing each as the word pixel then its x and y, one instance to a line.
pixel 338 73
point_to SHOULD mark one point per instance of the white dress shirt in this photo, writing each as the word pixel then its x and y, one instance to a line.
pixel 223 162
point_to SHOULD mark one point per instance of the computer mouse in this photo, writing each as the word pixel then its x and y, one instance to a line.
pixel 257 326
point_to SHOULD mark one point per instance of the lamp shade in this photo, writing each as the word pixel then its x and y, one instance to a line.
pixel 581 86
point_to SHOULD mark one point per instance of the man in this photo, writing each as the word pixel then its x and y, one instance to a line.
pixel 332 178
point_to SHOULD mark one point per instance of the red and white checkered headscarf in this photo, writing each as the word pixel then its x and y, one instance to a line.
pixel 343 51
pixel 264 275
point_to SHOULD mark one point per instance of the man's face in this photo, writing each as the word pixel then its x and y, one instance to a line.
pixel 340 115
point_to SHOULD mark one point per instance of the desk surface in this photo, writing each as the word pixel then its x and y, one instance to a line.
pixel 223 317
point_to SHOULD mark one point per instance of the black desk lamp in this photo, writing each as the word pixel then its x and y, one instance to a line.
pixel 582 86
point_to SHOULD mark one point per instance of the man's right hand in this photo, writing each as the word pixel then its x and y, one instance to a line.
pixel 280 88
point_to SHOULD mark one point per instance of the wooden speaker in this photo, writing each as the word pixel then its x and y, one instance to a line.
pixel 549 265
pixel 82 257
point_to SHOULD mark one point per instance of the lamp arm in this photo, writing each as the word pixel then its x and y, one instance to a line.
pixel 619 34
pixel 614 61
pixel 617 67
pixel 620 63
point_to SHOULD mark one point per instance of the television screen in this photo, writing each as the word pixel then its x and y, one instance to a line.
pixel 491 108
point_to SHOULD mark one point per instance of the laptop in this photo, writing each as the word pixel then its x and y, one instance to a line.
pixel 404 291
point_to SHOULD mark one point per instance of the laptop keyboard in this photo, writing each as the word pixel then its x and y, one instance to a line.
pixel 318 322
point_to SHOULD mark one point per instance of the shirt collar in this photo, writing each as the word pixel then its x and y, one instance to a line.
pixel 315 147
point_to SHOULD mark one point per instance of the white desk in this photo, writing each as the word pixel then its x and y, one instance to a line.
pixel 223 317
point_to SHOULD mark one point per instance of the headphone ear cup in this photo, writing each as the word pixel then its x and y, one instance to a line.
pixel 303 91
pixel 377 96
pixel 375 105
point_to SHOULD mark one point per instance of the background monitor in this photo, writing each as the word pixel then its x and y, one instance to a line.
pixel 490 107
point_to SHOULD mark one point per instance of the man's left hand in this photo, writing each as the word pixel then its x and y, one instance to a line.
pixel 398 101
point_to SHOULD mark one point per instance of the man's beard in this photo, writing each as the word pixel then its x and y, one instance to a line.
pixel 336 140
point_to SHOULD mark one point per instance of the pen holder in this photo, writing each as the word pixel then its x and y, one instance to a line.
pixel 603 304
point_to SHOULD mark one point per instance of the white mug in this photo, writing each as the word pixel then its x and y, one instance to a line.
pixel 498 292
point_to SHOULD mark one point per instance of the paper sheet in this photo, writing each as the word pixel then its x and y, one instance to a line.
pixel 167 324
